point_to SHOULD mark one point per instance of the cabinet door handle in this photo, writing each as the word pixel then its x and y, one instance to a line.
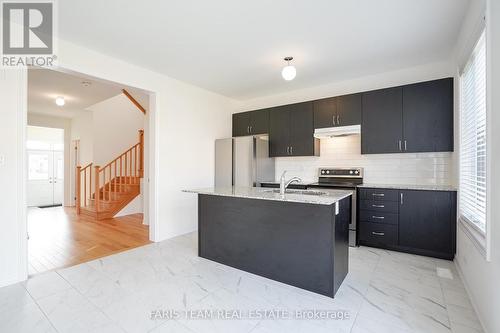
pixel 378 217
pixel 378 233
pixel 405 145
pixel 338 120
pixel 378 194
pixel 333 120
pixel 248 129
pixel 291 150
pixel 288 150
pixel 378 206
pixel 402 198
pixel 399 145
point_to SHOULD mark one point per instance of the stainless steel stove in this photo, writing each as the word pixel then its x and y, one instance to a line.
pixel 347 179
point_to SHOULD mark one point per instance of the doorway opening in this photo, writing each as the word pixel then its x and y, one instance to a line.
pixel 87 156
pixel 45 182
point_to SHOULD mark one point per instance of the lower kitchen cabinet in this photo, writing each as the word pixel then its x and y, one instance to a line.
pixel 378 234
pixel 427 222
pixel 423 221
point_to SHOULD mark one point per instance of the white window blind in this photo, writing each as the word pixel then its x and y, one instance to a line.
pixel 472 200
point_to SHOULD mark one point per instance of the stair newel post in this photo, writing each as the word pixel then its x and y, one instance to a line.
pixel 97 188
pixel 141 153
pixel 77 189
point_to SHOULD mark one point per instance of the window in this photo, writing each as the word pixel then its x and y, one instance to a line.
pixel 472 200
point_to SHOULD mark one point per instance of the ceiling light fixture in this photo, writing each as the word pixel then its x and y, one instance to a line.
pixel 86 83
pixel 60 101
pixel 289 72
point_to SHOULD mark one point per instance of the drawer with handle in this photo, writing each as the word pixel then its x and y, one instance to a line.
pixel 378 217
pixel 378 194
pixel 379 206
pixel 378 234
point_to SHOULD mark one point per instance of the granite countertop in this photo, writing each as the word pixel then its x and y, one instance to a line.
pixel 317 197
pixel 305 184
pixel 411 187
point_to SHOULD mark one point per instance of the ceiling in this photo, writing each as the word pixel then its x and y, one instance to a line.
pixel 236 48
pixel 45 85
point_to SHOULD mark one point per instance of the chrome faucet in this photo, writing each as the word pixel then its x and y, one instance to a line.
pixel 284 184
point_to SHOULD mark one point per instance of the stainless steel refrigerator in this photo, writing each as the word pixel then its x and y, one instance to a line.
pixel 243 161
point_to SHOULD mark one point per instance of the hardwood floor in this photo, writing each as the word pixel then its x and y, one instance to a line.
pixel 60 238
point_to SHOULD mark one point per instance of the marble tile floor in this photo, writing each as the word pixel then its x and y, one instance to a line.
pixel 385 292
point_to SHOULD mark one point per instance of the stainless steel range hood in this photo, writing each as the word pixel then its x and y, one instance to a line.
pixel 331 132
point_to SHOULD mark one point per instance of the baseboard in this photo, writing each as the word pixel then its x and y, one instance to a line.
pixel 467 289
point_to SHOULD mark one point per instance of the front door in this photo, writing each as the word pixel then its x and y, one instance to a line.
pixel 45 177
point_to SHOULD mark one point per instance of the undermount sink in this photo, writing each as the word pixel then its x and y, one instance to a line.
pixel 301 192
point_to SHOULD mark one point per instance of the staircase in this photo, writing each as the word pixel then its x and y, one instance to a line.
pixel 102 192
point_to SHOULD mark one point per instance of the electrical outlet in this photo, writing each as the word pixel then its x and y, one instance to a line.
pixel 2 160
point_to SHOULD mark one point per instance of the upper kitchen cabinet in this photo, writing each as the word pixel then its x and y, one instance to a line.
pixel 337 111
pixel 349 110
pixel 409 119
pixel 428 116
pixel 251 123
pixel 381 126
pixel 325 112
pixel 241 124
pixel 291 129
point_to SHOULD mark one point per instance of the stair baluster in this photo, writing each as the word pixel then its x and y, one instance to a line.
pixel 112 186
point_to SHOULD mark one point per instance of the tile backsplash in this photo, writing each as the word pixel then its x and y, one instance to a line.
pixel 409 168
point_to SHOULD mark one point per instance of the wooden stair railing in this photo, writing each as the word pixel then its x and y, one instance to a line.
pixel 101 186
pixel 82 174
pixel 134 101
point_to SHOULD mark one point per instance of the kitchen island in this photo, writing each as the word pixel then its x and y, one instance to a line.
pixel 299 238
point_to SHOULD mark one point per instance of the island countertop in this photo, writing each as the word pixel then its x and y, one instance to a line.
pixel 316 197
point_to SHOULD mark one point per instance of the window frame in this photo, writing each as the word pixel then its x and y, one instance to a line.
pixel 477 235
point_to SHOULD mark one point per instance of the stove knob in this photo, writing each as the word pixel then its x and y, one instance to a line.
pixel 322 172
pixel 357 172
pixel 351 172
pixel 327 171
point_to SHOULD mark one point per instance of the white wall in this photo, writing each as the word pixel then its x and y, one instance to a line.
pixel 115 128
pixel 81 129
pixel 423 168
pixel 480 276
pixel 366 83
pixel 13 250
pixel 65 124
pixel 187 121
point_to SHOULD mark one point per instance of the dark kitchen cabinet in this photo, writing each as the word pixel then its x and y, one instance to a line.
pixel 428 116
pixel 241 124
pixel 337 111
pixel 325 112
pixel 381 126
pixel 413 221
pixel 291 131
pixel 279 132
pixel 427 222
pixel 409 119
pixel 251 122
pixel 349 110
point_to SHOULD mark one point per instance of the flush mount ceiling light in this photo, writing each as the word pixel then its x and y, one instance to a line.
pixel 86 83
pixel 289 72
pixel 60 101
